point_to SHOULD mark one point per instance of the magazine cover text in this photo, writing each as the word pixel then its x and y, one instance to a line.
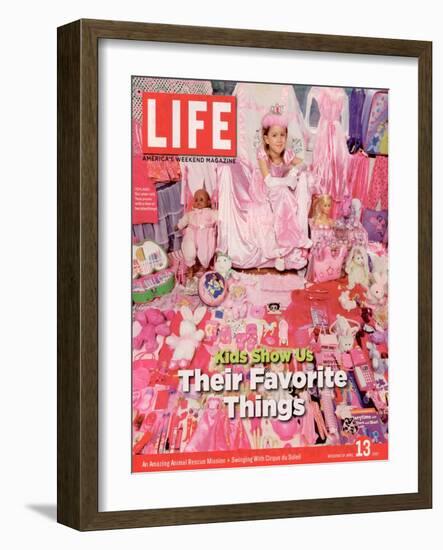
pixel 259 274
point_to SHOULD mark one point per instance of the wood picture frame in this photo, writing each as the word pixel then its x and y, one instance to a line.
pixel 77 172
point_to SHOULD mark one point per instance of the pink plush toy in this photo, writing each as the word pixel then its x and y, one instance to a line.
pixel 147 325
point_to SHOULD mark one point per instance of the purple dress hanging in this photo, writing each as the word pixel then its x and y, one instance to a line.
pixel 356 102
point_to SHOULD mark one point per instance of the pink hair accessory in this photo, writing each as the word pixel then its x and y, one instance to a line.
pixel 275 117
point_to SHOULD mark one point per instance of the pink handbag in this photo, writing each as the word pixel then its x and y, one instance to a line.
pixel 327 263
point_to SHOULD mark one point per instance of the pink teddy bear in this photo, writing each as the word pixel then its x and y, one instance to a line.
pixel 147 325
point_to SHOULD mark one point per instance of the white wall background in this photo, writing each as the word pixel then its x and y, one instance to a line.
pixel 28 231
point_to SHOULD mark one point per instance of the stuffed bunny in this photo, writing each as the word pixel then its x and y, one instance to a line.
pixel 345 332
pixel 185 344
pixel 357 267
pixel 379 264
pixel 345 342
pixel 376 294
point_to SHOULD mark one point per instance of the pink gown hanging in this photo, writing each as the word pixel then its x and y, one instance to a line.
pixel 378 194
pixel 330 155
pixel 358 177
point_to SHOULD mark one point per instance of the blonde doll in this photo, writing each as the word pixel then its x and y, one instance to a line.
pixel 322 211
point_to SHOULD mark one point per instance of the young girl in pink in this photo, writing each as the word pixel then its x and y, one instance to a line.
pixel 200 231
pixel 277 166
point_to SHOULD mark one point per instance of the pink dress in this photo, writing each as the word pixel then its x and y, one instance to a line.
pixel 358 176
pixel 212 430
pixel 330 154
pixel 379 184
pixel 285 207
pixel 200 235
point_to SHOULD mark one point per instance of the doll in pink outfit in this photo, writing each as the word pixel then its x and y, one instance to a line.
pixel 277 166
pixel 200 231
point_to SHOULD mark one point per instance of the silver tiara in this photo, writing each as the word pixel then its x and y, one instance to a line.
pixel 277 109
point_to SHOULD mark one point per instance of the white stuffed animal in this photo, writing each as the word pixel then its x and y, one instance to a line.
pixel 346 302
pixel 379 363
pixel 186 343
pixel 379 263
pixel 376 295
pixel 223 265
pixel 345 329
pixel 357 267
pixel 374 355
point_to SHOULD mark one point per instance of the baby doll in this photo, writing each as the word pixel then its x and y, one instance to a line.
pixel 278 167
pixel 322 211
pixel 357 267
pixel 200 231
pixel 236 306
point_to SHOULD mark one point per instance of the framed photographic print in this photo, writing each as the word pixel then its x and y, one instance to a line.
pixel 244 275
